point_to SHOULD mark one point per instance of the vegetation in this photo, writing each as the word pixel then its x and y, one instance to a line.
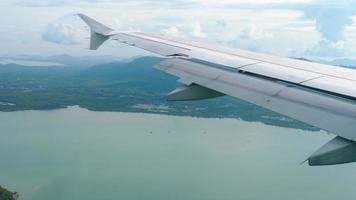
pixel 119 86
pixel 6 195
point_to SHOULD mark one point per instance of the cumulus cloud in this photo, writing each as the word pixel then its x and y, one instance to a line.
pixel 330 21
pixel 287 27
pixel 179 3
pixel 197 32
pixel 62 34
pixel 48 2
pixel 269 39
pixel 252 32
pixel 338 45
pixel 172 31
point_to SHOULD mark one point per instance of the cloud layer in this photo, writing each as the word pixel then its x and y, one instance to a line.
pixel 287 27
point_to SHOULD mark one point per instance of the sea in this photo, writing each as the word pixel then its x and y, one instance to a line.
pixel 77 154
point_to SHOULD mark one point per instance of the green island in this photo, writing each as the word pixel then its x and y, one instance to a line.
pixel 7 195
pixel 120 86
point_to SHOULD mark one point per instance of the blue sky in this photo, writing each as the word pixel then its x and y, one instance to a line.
pixel 309 28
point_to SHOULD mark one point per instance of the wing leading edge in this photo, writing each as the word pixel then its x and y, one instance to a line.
pixel 320 95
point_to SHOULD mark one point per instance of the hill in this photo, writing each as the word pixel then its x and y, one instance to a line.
pixel 118 86
pixel 6 195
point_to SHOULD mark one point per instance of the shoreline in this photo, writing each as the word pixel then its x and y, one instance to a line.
pixel 143 111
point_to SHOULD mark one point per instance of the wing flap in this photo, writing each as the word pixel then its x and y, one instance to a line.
pixel 316 109
pixel 334 85
pixel 281 73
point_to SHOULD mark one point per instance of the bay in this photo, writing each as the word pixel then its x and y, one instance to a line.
pixel 74 153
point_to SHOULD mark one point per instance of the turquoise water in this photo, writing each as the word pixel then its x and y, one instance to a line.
pixel 78 154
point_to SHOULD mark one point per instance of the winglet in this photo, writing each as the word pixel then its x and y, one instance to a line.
pixel 99 33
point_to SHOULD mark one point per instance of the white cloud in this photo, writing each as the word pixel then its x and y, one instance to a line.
pixel 252 32
pixel 197 32
pixel 349 39
pixel 172 31
pixel 258 2
pixel 145 2
pixel 254 25
pixel 63 34
pixel 338 44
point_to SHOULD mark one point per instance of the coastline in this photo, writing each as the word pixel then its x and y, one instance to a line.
pixel 192 115
pixel 5 194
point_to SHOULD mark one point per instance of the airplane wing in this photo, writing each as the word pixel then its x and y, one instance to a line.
pixel 321 95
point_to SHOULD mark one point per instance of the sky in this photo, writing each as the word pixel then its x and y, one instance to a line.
pixel 295 28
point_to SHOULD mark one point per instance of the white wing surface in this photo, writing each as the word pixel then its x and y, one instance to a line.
pixel 320 95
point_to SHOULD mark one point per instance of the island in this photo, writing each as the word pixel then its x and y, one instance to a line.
pixel 7 195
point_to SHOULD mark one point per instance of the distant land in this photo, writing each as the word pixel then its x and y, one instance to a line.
pixel 130 85
pixel 7 195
